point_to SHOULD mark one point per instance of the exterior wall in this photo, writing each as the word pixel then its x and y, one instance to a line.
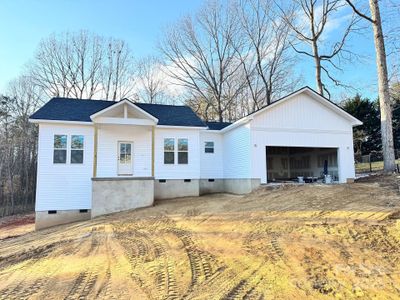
pixel 176 188
pixel 211 165
pixel 301 122
pixel 118 194
pixel 241 186
pixel 44 220
pixel 237 159
pixel 177 171
pixel 210 187
pixel 63 186
pixel 107 149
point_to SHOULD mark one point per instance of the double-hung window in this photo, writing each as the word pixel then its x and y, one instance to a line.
pixel 209 147
pixel 60 149
pixel 77 149
pixel 169 151
pixel 183 151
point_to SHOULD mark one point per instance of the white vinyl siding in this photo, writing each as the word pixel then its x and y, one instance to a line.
pixel 63 186
pixel 107 149
pixel 191 170
pixel 237 153
pixel 211 163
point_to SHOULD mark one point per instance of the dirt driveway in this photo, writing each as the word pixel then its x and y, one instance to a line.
pixel 311 241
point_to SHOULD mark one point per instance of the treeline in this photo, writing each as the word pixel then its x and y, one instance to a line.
pixel 367 137
pixel 225 60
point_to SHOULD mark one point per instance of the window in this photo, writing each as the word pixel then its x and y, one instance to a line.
pixel 182 151
pixel 77 149
pixel 209 147
pixel 60 149
pixel 169 149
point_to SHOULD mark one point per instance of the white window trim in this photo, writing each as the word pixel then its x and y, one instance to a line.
pixel 66 150
pixel 83 150
pixel 184 151
pixel 173 151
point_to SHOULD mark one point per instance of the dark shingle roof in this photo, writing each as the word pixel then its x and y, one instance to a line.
pixel 65 109
pixel 172 114
pixel 217 125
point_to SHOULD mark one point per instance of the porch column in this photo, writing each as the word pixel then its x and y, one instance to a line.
pixel 95 151
pixel 152 150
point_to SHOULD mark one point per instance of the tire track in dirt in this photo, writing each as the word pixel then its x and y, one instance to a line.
pixel 86 280
pixel 141 248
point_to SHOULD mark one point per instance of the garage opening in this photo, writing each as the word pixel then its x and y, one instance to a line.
pixel 297 164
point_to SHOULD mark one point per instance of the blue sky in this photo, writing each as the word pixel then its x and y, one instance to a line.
pixel 24 23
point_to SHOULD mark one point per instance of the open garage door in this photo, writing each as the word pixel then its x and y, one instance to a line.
pixel 289 163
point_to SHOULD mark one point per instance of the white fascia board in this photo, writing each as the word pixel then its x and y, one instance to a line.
pixel 126 101
pixel 37 121
pixel 180 127
pixel 238 123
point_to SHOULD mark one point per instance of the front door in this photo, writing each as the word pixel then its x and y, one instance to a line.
pixel 125 165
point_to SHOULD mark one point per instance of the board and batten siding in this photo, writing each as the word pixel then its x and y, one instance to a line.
pixel 211 165
pixel 301 122
pixel 177 171
pixel 236 158
pixel 63 186
pixel 107 149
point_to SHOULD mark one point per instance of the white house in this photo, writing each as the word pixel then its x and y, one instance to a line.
pixel 99 157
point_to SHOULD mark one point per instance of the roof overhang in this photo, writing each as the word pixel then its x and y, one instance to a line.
pixel 41 121
pixel 181 127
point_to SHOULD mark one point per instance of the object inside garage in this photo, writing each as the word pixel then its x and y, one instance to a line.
pixel 298 164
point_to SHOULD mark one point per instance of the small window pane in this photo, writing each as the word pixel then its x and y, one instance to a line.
pixel 169 144
pixel 60 156
pixel 168 157
pixel 77 142
pixel 76 156
pixel 60 141
pixel 182 144
pixel 182 157
pixel 209 147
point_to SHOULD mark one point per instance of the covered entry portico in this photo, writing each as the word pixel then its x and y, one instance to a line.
pixel 124 144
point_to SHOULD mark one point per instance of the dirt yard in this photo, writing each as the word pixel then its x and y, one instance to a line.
pixel 290 242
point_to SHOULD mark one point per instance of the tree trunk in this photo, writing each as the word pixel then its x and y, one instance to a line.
pixel 317 68
pixel 384 95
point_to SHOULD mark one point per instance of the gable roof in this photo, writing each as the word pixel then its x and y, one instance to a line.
pixel 217 125
pixel 79 110
pixel 312 93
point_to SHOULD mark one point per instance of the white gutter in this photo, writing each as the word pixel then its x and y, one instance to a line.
pixel 37 121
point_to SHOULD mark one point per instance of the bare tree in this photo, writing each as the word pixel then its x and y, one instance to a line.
pixel 117 71
pixel 18 150
pixel 265 53
pixel 82 65
pixel 199 55
pixel 151 84
pixel 316 14
pixel 383 83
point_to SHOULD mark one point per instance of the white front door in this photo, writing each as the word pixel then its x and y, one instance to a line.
pixel 125 165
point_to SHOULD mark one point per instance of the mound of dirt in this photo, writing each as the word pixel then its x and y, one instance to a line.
pixel 310 241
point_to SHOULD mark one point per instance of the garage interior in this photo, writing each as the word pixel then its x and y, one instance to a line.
pixel 287 164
